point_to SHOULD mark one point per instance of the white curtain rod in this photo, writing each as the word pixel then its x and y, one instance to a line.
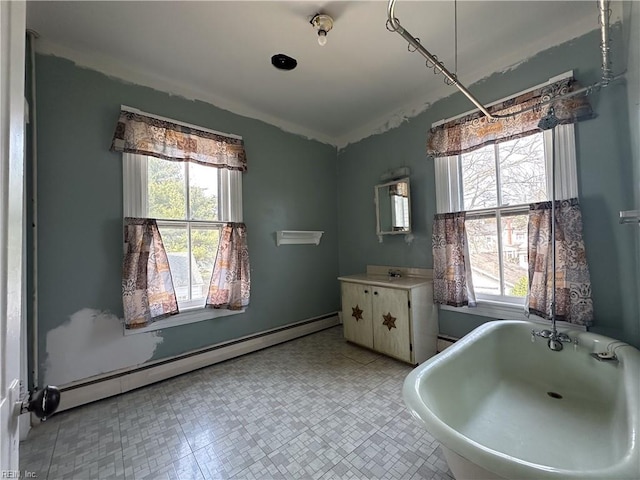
pixel 177 122
pixel 557 78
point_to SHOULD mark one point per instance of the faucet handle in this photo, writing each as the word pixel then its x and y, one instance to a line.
pixel 539 333
pixel 563 337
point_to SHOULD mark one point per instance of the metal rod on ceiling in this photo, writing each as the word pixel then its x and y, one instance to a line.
pixel 393 25
pixel 604 18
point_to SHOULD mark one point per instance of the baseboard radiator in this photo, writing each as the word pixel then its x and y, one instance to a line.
pixel 445 341
pixel 114 383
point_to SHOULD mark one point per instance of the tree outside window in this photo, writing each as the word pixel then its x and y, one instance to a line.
pixel 498 184
pixel 179 193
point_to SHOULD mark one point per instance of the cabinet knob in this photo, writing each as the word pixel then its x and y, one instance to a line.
pixel 375 293
pixel 366 291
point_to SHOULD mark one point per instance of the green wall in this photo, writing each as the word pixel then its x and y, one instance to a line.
pixel 296 183
pixel 605 183
pixel 632 40
pixel 290 185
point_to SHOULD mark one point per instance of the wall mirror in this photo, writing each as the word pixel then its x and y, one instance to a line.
pixel 393 207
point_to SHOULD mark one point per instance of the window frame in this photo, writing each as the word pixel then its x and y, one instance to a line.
pixel 191 304
pixel 135 204
pixel 449 199
pixel 497 212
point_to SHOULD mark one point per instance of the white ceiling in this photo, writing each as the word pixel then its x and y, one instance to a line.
pixel 355 85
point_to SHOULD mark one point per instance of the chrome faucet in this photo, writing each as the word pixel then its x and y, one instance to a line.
pixel 394 273
pixel 556 339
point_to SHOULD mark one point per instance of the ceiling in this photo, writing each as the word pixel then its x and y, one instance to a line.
pixel 354 86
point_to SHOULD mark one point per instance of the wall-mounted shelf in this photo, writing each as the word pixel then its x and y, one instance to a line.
pixel 630 216
pixel 296 237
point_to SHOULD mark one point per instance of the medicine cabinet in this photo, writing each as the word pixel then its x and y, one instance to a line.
pixel 393 207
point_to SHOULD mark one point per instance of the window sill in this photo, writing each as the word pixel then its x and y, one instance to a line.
pixel 493 309
pixel 189 316
pixel 505 311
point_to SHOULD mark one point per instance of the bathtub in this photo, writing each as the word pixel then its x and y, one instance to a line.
pixel 504 407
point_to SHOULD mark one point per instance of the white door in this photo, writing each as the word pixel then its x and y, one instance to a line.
pixel 12 51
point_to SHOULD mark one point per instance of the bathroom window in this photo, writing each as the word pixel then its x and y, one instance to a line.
pixel 498 184
pixel 495 185
pixel 191 203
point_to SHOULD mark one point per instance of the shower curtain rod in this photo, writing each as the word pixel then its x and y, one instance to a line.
pixel 393 24
pixel 604 16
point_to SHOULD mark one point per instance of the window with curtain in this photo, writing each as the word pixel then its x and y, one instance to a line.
pixel 494 177
pixel 191 203
pixel 497 175
pixel 186 245
pixel 495 185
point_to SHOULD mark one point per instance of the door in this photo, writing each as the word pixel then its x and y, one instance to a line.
pixel 356 313
pixel 12 51
pixel 391 332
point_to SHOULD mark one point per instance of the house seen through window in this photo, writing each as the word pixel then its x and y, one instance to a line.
pixel 498 182
pixel 190 203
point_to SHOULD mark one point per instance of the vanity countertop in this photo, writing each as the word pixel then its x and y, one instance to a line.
pixel 406 282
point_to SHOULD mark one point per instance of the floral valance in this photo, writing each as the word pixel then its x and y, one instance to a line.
pixel 146 135
pixel 473 131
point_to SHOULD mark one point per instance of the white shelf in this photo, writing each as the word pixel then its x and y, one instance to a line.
pixel 298 237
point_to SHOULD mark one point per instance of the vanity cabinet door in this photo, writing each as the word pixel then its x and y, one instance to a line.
pixel 356 313
pixel 390 315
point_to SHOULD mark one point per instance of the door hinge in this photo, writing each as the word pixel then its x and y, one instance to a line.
pixel 409 303
pixel 411 347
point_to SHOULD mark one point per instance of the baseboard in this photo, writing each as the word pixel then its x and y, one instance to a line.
pixel 445 341
pixel 109 385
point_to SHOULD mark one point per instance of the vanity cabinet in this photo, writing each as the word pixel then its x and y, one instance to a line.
pixel 395 317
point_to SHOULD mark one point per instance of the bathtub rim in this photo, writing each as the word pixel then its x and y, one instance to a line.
pixel 505 465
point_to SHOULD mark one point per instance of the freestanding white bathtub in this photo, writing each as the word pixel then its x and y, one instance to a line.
pixel 505 407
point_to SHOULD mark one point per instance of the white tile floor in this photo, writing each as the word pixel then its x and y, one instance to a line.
pixel 315 407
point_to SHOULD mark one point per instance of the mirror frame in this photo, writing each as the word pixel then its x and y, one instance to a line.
pixel 379 231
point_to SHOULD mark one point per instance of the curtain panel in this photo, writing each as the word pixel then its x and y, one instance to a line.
pixel 230 282
pixel 474 131
pixel 573 283
pixel 147 287
pixel 452 284
pixel 144 135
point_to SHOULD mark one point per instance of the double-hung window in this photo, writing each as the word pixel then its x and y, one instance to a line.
pixel 191 203
pixel 494 185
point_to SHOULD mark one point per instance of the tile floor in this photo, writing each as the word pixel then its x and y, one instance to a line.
pixel 313 408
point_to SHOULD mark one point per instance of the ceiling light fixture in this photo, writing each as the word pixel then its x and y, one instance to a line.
pixel 323 24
